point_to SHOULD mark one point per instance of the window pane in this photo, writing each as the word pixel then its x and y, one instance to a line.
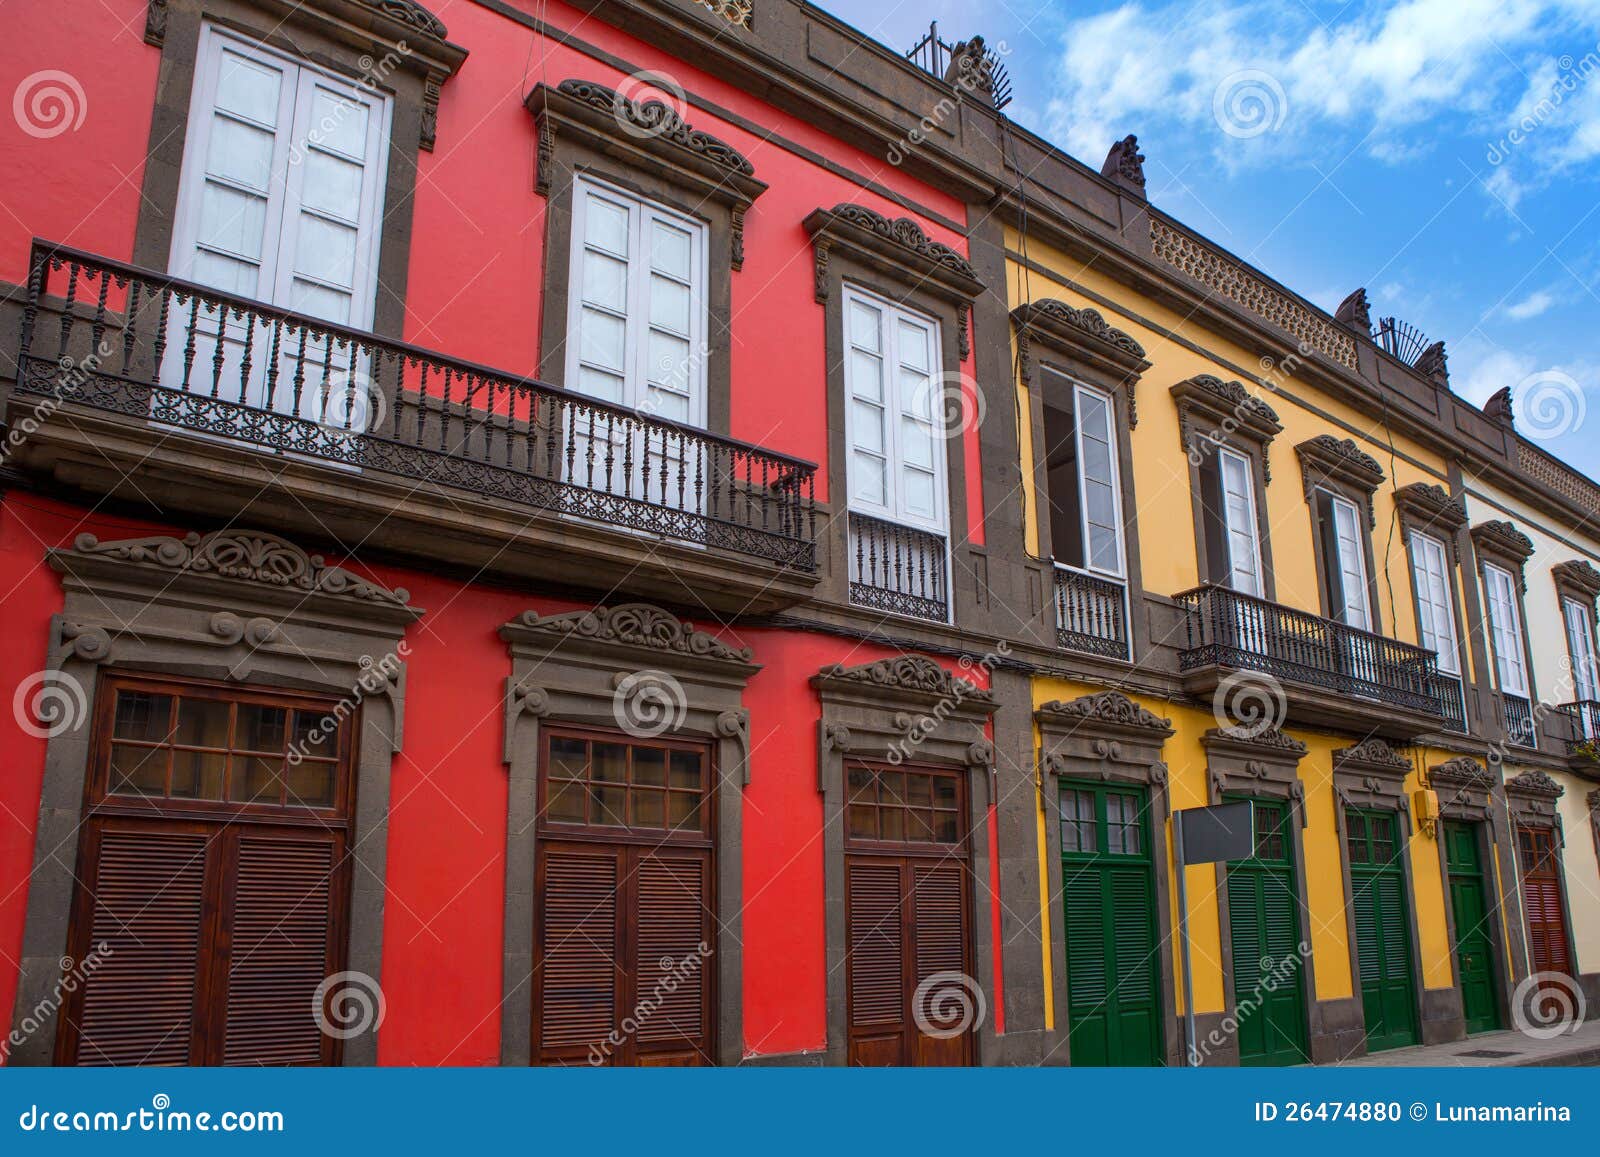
pixel 315 734
pixel 138 770
pixel 261 728
pixel 331 184
pixel 868 478
pixel 686 769
pixel 255 779
pixel 142 715
pixel 649 808
pixel 863 322
pixel 609 763
pixel 893 821
pixel 670 249
pixel 609 806
pixel 607 225
pixel 866 425
pixel 605 281
pixel 913 346
pixel 944 792
pixel 919 790
pixel 565 802
pixel 201 774
pixel 601 339
pixel 669 305
pixel 650 766
pixel 311 783
pixel 866 376
pixel 568 757
pixel 946 830
pixel 683 809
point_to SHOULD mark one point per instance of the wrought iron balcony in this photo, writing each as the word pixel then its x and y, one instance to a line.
pixel 153 351
pixel 898 569
pixel 1521 726
pixel 1331 674
pixel 1583 738
pixel 1452 700
pixel 1091 613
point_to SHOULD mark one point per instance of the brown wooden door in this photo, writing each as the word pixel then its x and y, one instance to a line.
pixel 211 880
pixel 1542 904
pixel 908 953
pixel 624 904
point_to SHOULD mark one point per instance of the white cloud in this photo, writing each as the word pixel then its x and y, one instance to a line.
pixel 1374 81
pixel 1533 305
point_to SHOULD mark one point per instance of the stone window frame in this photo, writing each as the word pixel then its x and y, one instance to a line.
pixel 1080 347
pixel 1259 763
pixel 1533 801
pixel 1428 509
pixel 349 37
pixel 1578 580
pixel 1501 543
pixel 907 711
pixel 1341 468
pixel 587 129
pixel 1467 791
pixel 238 607
pixel 1372 776
pixel 1108 738
pixel 897 261
pixel 1214 413
pixel 596 668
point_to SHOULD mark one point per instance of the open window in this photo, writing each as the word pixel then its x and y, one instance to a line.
pixel 1340 480
pixel 1432 521
pixel 1577 588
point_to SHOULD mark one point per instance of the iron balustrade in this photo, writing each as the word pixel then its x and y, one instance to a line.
pixel 1091 613
pixel 1453 701
pixel 1230 629
pixel 1520 725
pixel 898 569
pixel 1584 715
pixel 134 342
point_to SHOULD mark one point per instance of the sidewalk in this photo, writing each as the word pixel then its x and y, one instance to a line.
pixel 1503 1049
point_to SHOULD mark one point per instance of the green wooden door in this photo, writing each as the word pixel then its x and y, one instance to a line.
pixel 1469 905
pixel 1113 962
pixel 1383 929
pixel 1264 933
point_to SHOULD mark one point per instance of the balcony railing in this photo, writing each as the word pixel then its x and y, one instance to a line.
pixel 1454 703
pixel 1229 629
pixel 1584 716
pixel 1520 725
pixel 130 341
pixel 898 569
pixel 1091 613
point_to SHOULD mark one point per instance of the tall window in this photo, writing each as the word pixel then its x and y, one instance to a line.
pixel 1344 563
pixel 1580 646
pixel 896 455
pixel 1228 494
pixel 1505 627
pixel 1084 483
pixel 637 327
pixel 282 184
pixel 1436 615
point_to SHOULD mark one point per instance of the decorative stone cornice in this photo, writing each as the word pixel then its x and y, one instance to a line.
pixel 243 555
pixel 898 248
pixel 1580 577
pixel 1535 783
pixel 1432 508
pixel 1125 166
pixel 1326 458
pixel 916 674
pixel 1506 544
pixel 642 626
pixel 1461 773
pixel 657 120
pixel 1371 756
pixel 1223 404
pixel 649 135
pixel 1108 708
pixel 1070 325
pixel 1264 743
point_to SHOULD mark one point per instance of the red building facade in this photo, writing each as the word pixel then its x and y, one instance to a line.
pixel 565 701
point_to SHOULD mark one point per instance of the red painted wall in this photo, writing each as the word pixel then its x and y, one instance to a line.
pixel 473 292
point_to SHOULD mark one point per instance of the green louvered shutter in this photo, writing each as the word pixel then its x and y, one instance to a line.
pixel 1087 987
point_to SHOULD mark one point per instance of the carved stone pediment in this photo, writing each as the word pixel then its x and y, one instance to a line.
pixel 638 626
pixel 1371 757
pixel 1461 772
pixel 1089 346
pixel 1326 458
pixel 1580 578
pixel 1465 788
pixel 1207 404
pixel 914 675
pixel 1247 761
pixel 254 557
pixel 1430 508
pixel 1072 325
pixel 1108 710
pixel 1266 743
pixel 1502 539
pixel 1534 783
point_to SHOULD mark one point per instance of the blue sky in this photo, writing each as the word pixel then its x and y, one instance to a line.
pixel 1344 145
